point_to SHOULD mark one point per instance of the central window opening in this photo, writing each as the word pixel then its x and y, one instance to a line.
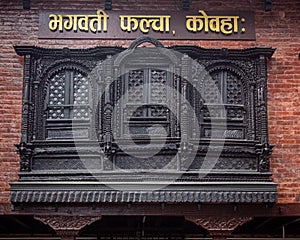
pixel 146 102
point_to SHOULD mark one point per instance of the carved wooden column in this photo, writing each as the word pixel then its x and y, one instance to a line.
pixel 220 228
pixel 67 227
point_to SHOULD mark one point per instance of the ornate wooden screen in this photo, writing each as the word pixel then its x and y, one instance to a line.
pixel 87 114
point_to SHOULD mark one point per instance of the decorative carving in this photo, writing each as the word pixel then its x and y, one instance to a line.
pixel 81 96
pixel 68 96
pixel 234 89
pixel 236 164
pixel 67 225
pixel 186 151
pixel 158 81
pixel 142 40
pixel 239 75
pixel 154 162
pixel 25 151
pixel 53 163
pixel 57 96
pixel 221 226
pixel 264 151
pixel 135 86
pixel 222 223
pixel 223 195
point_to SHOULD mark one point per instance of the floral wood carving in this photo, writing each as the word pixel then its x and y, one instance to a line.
pixel 221 226
pixel 67 225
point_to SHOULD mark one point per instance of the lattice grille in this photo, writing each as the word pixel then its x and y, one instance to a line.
pixel 57 96
pixel 81 96
pixel 135 86
pixel 212 90
pixel 234 90
pixel 158 86
pixel 68 96
pixel 158 111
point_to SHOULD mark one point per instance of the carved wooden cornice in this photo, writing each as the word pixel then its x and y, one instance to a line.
pixel 192 195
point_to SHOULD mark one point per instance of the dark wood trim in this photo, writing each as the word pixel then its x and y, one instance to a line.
pixel 139 209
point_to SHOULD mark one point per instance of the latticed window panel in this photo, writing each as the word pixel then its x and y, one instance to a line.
pixel 68 96
pixel 146 102
pixel 81 96
pixel 135 86
pixel 223 90
pixel 57 96
pixel 147 94
pixel 158 86
pixel 223 99
pixel 234 89
pixel 223 87
pixel 211 90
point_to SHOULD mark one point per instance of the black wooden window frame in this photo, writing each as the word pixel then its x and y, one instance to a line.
pixel 241 174
pixel 43 62
pixel 237 124
pixel 75 126
pixel 147 104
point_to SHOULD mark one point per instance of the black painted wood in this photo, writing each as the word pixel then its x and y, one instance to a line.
pixel 56 108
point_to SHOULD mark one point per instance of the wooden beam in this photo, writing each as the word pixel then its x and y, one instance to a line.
pixel 26 4
pixel 108 5
pixel 263 224
pixel 18 221
pixel 178 209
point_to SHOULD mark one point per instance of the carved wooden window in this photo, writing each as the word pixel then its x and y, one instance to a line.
pixel 145 99
pixel 228 103
pixel 67 104
pixel 70 94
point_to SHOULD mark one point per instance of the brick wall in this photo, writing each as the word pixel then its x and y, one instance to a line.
pixel 278 29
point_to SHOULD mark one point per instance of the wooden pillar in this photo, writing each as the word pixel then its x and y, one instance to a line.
pixel 67 227
pixel 219 228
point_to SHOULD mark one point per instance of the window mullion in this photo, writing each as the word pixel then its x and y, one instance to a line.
pixel 68 94
pixel 147 91
pixel 223 91
pixel 71 96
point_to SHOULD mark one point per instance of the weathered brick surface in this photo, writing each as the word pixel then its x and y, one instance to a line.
pixel 278 29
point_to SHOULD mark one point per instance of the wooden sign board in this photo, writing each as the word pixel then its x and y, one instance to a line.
pixel 100 24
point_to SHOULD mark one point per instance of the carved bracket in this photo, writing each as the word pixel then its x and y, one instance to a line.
pixel 25 152
pixel 67 225
pixel 264 151
pixel 220 226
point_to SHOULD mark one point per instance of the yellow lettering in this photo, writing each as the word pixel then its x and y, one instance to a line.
pixel 128 23
pixel 227 27
pixel 101 15
pixel 224 24
pixel 145 23
pixel 82 22
pixel 55 21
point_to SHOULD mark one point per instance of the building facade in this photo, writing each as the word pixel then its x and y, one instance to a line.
pixel 135 135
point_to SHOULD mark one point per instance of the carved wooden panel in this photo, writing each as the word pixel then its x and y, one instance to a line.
pixel 74 93
pixel 67 225
pixel 221 226
pixel 221 223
